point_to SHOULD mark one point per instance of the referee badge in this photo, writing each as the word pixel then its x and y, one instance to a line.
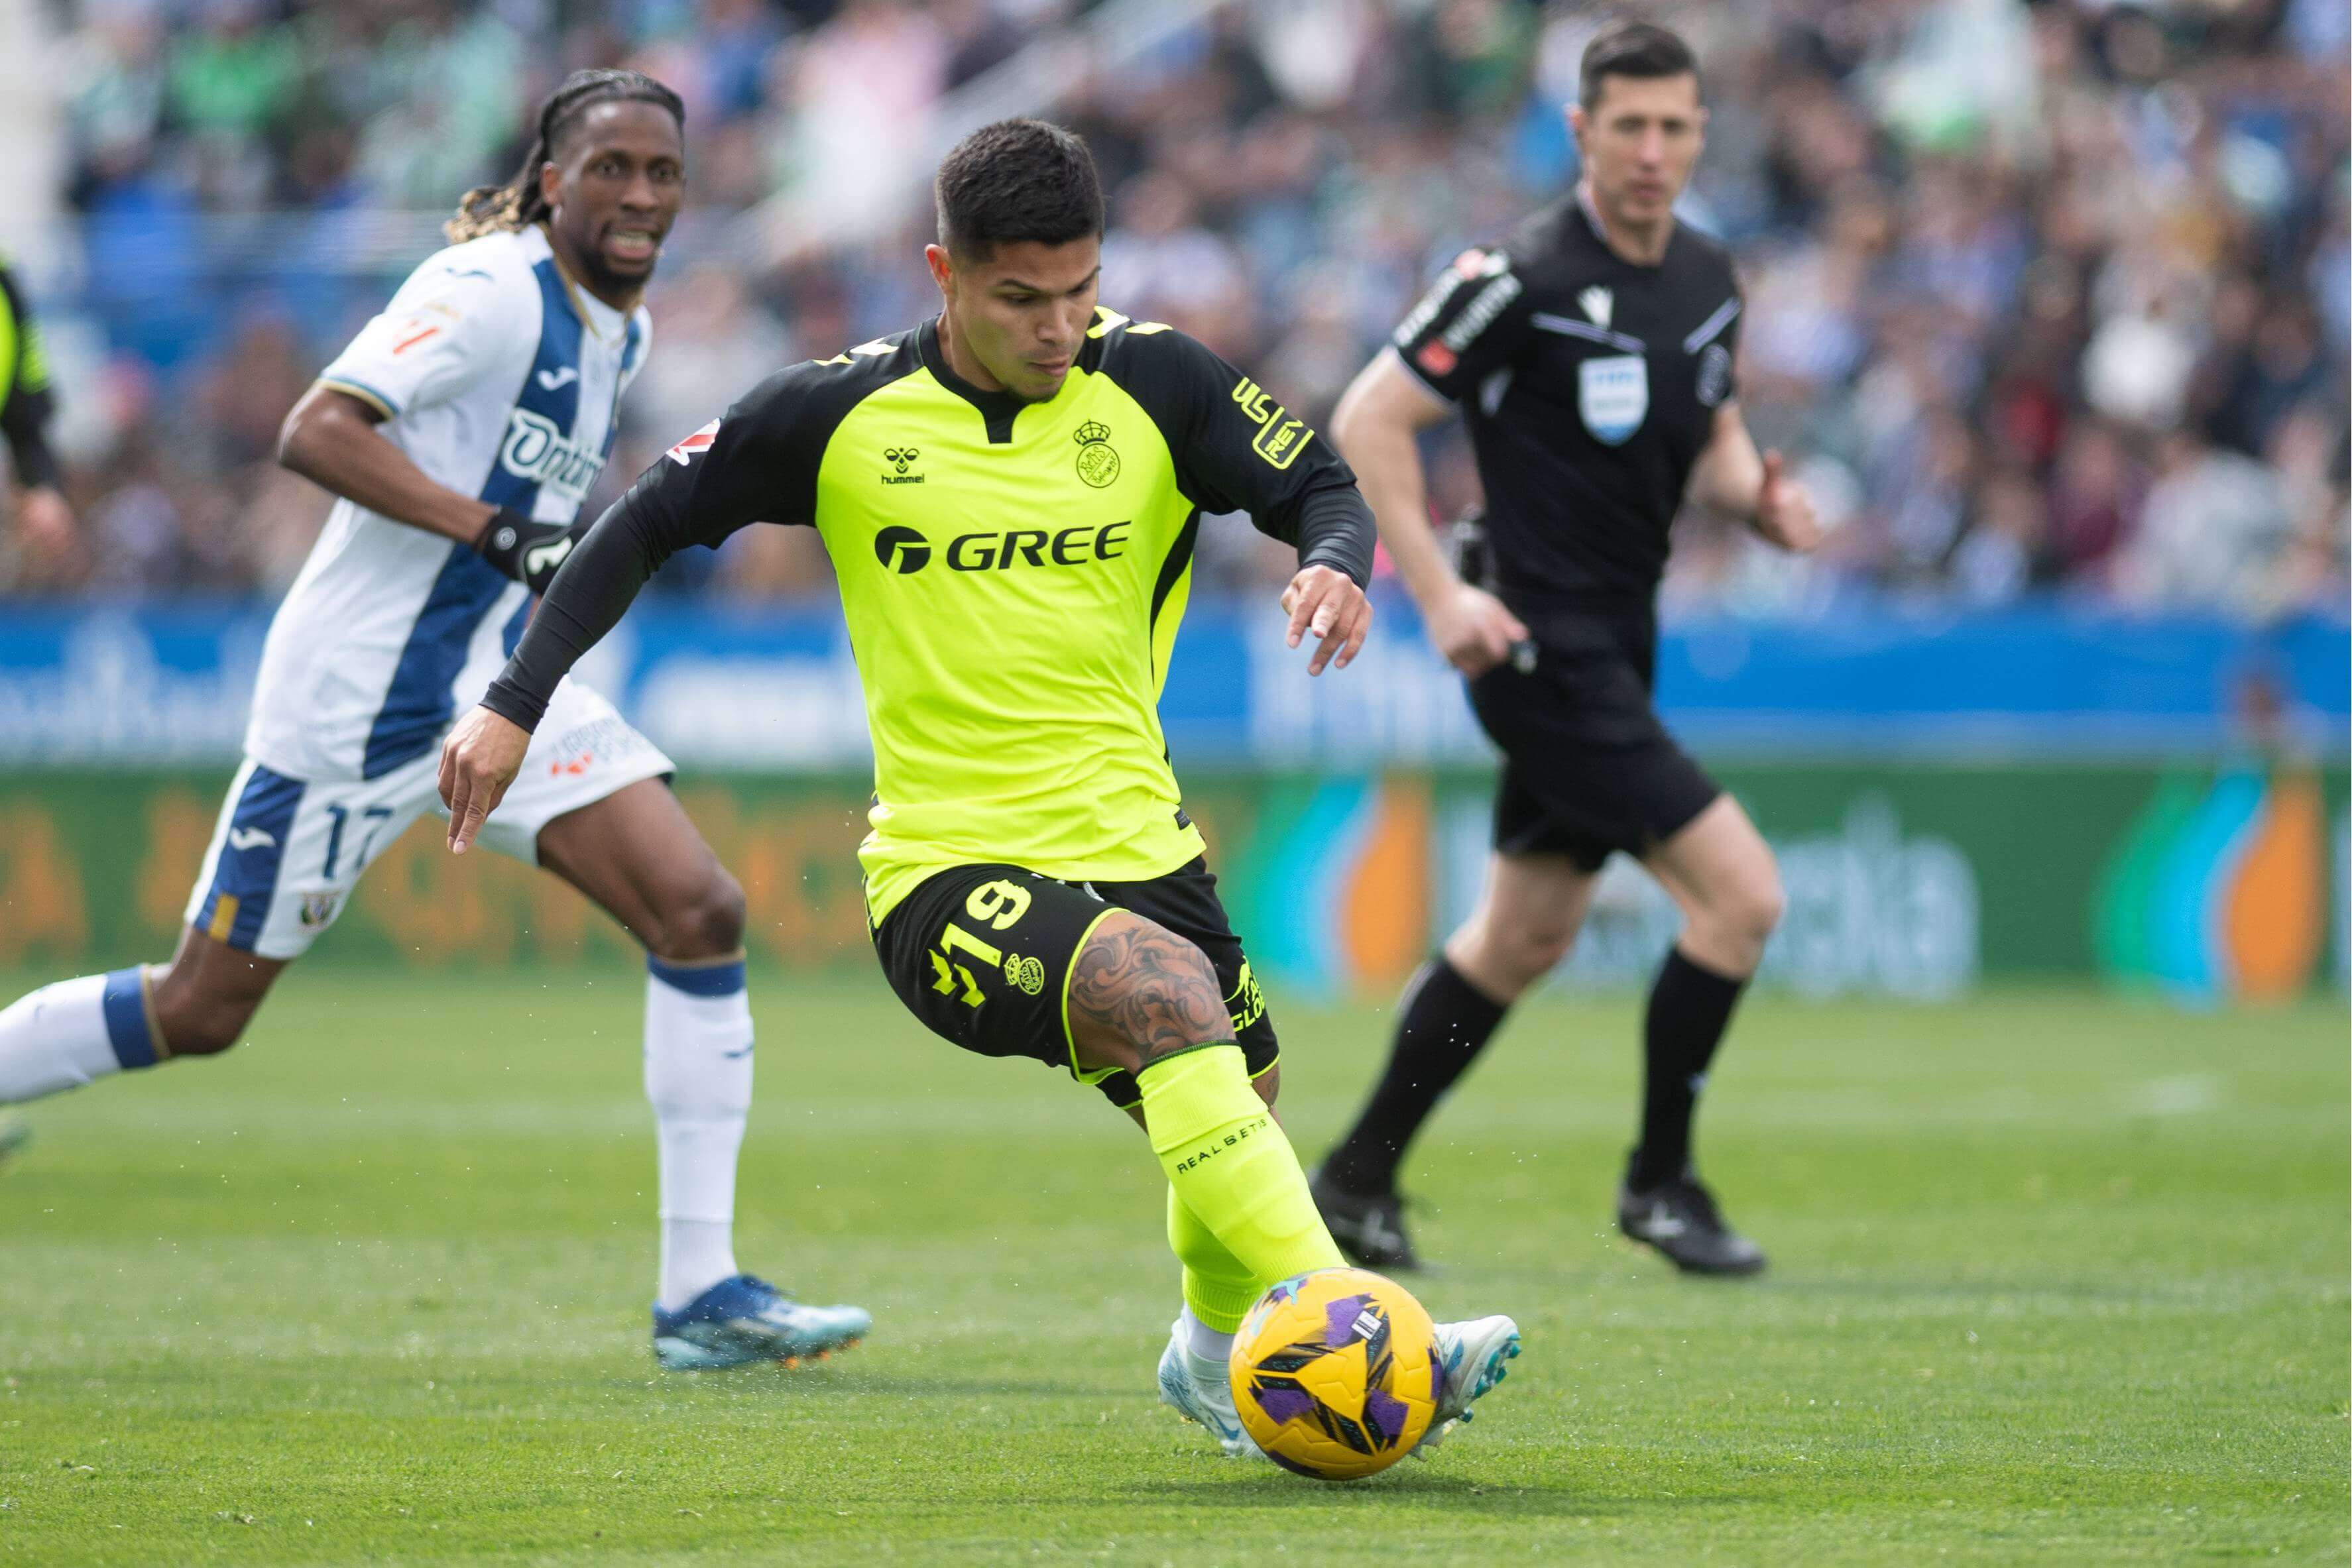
pixel 1612 394
pixel 1714 374
pixel 1098 463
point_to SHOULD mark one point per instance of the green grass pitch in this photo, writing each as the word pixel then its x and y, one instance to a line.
pixel 2056 1279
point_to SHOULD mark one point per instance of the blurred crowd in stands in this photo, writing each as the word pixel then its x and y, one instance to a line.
pixel 2041 296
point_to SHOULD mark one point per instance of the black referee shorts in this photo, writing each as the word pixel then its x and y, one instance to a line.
pixel 981 954
pixel 1588 767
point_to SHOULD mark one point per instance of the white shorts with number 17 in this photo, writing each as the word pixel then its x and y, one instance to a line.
pixel 285 853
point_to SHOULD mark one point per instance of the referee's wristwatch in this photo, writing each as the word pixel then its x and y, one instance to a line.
pixel 528 551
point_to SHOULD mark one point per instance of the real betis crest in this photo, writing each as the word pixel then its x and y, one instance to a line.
pixel 1098 463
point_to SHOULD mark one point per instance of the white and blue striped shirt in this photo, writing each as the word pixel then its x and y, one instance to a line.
pixel 500 378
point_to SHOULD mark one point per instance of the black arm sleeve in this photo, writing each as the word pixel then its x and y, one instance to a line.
pixel 592 590
pixel 756 462
pixel 1237 449
pixel 28 402
pixel 1336 529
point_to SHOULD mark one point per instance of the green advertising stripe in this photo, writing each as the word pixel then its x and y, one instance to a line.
pixel 2037 840
pixel 2180 878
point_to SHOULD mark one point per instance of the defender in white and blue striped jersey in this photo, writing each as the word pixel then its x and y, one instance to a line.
pixel 461 431
pixel 499 377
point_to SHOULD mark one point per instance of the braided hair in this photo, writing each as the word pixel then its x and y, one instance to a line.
pixel 487 209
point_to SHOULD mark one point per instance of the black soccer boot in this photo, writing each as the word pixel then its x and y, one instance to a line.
pixel 1678 1216
pixel 1368 1227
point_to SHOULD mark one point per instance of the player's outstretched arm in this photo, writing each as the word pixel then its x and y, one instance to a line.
pixel 753 462
pixel 586 597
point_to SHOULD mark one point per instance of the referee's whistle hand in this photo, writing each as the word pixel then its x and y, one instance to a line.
pixel 479 760
pixel 1328 604
pixel 1474 629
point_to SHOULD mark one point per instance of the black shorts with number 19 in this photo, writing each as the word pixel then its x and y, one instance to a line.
pixel 981 954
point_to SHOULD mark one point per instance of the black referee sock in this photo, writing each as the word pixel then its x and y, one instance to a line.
pixel 1689 1007
pixel 1444 1023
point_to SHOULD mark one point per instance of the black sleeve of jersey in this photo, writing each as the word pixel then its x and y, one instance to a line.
pixel 755 463
pixel 592 590
pixel 25 415
pixel 1472 321
pixel 1236 449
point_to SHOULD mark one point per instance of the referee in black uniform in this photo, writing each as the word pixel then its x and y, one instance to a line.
pixel 1591 356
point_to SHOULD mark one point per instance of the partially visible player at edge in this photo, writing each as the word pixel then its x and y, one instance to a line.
pixel 1592 354
pixel 1008 493
pixel 462 428
pixel 40 514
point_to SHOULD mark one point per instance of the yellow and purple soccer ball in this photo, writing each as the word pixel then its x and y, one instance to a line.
pixel 1334 1374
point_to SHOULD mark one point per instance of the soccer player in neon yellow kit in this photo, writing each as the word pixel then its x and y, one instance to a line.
pixel 1010 493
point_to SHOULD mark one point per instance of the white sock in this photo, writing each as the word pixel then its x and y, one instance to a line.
pixel 1203 1340
pixel 699 1077
pixel 66 1035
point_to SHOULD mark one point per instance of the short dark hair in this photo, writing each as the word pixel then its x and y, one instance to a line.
pixel 1633 50
pixel 1017 180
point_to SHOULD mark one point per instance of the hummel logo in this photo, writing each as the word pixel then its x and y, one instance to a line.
pixel 249 838
pixel 1599 304
pixel 556 379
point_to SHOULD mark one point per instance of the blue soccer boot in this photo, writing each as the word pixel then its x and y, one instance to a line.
pixel 744 1319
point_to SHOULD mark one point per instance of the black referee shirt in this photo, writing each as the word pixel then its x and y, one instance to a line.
pixel 1589 386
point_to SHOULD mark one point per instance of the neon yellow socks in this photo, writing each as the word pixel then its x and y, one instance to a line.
pixel 1239 1215
pixel 1218 1289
